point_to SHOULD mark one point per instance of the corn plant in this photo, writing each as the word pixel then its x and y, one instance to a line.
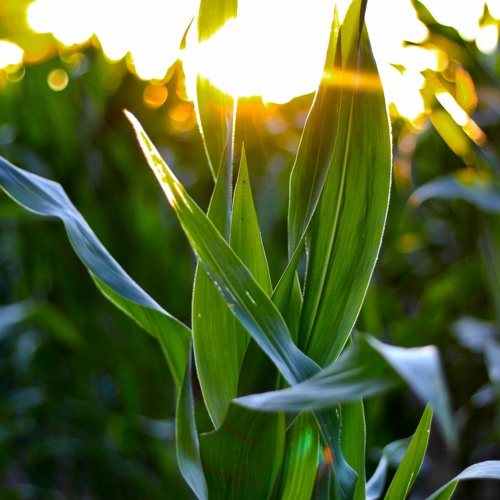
pixel 282 370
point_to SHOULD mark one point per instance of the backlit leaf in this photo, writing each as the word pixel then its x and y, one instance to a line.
pixel 346 230
pixel 248 301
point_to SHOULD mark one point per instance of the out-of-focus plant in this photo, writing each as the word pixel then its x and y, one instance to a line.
pixel 282 372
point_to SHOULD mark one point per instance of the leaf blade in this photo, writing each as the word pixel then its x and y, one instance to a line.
pixel 249 302
pixel 412 461
pixel 47 198
pixel 346 230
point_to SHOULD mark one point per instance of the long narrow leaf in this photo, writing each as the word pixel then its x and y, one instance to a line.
pixel 188 446
pixel 482 470
pixel 300 459
pixel 245 297
pixel 219 343
pixel 315 150
pixel 360 372
pixel 47 198
pixel 421 370
pixel 214 107
pixel 346 229
pixel 353 441
pixel 410 466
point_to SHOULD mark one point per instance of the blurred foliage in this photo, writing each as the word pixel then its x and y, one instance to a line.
pixel 85 406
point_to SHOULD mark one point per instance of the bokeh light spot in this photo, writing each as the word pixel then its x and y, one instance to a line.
pixel 155 95
pixel 58 79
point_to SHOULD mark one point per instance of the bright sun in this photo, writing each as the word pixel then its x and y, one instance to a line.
pixel 275 48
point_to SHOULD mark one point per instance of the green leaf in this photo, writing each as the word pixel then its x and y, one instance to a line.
pixel 482 470
pixel 421 370
pixel 188 446
pixel 246 239
pixel 242 458
pixel 365 368
pixel 47 198
pixel 257 371
pixel 410 466
pixel 214 111
pixel 353 441
pixel 300 459
pixel 219 342
pixel 391 454
pixel 245 297
pixel 213 14
pixel 484 194
pixel 359 372
pixel 346 230
pixel 315 150
pixel 344 478
pixel 213 107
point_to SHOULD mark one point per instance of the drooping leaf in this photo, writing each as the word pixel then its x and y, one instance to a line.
pixel 242 458
pixel 483 194
pixel 393 452
pixel 360 372
pixel 410 466
pixel 365 368
pixel 250 304
pixel 421 370
pixel 300 459
pixel 346 230
pixel 47 198
pixel 188 446
pixel 482 470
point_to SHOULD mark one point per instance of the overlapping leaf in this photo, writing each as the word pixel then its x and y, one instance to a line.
pixel 47 198
pixel 188 446
pixel 366 368
pixel 218 343
pixel 347 226
pixel 300 459
pixel 243 457
pixel 245 297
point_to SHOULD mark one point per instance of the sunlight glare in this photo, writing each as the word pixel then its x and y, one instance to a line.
pixel 487 38
pixel 464 15
pixel 150 30
pixel 265 52
pixel 10 54
pixel 70 21
pixel 274 48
